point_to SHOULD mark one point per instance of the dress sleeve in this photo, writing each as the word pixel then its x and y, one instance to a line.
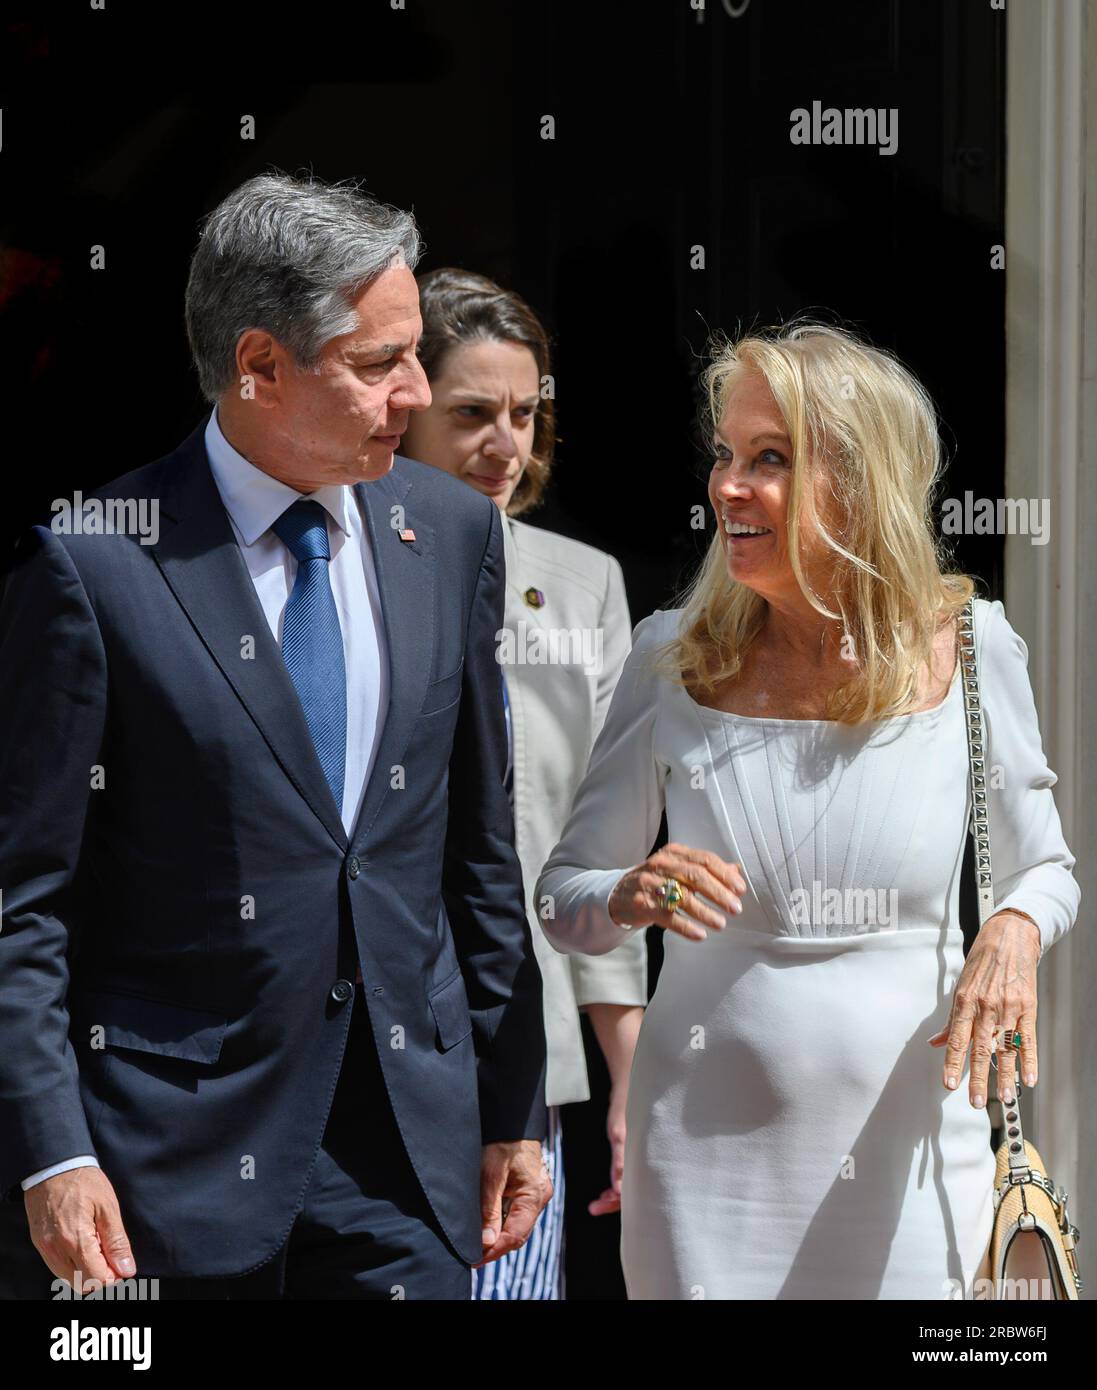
pixel 615 813
pixel 620 977
pixel 1030 860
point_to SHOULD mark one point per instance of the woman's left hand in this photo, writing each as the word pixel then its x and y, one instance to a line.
pixel 610 1199
pixel 996 990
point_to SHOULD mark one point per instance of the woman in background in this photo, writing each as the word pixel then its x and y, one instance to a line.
pixel 485 354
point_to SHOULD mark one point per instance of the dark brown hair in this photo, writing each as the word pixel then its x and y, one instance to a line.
pixel 459 306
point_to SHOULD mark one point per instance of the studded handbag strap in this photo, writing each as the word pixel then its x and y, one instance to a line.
pixel 973 710
pixel 980 828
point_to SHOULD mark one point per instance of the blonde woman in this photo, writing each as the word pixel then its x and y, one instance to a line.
pixel 792 1131
pixel 485 354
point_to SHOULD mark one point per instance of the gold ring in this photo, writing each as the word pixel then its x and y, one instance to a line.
pixel 1009 1039
pixel 671 894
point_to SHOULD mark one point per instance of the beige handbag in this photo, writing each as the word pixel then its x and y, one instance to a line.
pixel 1032 1238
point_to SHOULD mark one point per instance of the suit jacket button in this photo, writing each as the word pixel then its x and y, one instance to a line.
pixel 353 866
pixel 341 991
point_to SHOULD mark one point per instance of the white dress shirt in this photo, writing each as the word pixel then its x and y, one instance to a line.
pixel 254 501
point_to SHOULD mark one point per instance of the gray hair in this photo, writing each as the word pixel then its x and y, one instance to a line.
pixel 289 256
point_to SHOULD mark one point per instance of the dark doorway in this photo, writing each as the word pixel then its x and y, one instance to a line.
pixel 672 132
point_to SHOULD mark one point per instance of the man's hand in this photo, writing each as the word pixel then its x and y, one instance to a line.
pixel 514 1188
pixel 75 1224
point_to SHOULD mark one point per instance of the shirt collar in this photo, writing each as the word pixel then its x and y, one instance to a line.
pixel 254 499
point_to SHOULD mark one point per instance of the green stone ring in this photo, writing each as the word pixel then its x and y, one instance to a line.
pixel 1011 1038
pixel 671 895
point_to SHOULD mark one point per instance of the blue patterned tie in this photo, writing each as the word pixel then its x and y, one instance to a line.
pixel 312 640
pixel 508 777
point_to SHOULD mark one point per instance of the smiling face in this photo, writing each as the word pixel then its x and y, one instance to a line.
pixel 480 424
pixel 343 424
pixel 749 490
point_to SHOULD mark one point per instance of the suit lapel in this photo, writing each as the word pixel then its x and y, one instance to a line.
pixel 201 562
pixel 514 612
pixel 405 579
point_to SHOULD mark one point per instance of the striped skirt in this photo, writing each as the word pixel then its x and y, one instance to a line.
pixel 536 1269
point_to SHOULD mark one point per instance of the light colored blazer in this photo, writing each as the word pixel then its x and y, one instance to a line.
pixel 557 709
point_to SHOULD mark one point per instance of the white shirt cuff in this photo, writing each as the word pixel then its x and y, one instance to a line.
pixel 83 1161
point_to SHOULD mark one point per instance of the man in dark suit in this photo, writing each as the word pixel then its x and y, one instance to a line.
pixel 270 1019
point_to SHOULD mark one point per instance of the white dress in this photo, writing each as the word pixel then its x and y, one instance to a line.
pixel 788 1135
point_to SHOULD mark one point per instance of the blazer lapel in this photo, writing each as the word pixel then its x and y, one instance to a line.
pixel 510 556
pixel 405 578
pixel 517 612
pixel 201 561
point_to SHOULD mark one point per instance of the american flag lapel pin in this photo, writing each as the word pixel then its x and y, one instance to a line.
pixel 407 534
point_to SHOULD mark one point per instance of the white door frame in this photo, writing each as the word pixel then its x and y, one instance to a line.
pixel 1051 452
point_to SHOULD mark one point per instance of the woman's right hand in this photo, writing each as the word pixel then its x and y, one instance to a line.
pixel 708 882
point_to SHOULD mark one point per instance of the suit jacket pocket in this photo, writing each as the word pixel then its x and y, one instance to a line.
pixel 444 692
pixel 450 1006
pixel 150 1025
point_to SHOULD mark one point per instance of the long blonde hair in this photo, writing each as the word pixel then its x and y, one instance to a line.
pixel 859 414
